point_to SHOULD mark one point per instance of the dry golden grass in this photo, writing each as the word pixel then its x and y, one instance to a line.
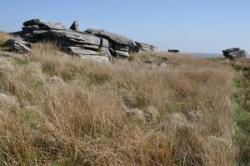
pixel 71 112
pixel 3 37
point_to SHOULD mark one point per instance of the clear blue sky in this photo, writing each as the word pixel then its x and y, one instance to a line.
pixel 188 25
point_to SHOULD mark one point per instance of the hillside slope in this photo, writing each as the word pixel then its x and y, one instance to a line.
pixel 152 109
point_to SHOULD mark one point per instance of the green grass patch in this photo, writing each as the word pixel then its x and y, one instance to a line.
pixel 67 76
pixel 31 118
pixel 20 61
pixel 237 83
pixel 241 124
pixel 49 69
pixel 241 115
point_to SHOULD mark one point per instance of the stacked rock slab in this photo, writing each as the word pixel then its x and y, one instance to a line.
pixel 17 46
pixel 118 45
pixel 234 53
pixel 87 43
pixel 145 47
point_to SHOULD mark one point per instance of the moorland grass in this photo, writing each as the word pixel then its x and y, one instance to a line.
pixel 67 111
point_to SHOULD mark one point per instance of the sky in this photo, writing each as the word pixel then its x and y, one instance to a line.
pixel 205 26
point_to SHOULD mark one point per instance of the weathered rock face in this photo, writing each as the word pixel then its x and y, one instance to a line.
pixel 104 51
pixel 43 25
pixel 17 46
pixel 234 53
pixel 75 26
pixel 88 43
pixel 148 115
pixel 145 47
pixel 118 39
pixel 81 52
pixel 120 45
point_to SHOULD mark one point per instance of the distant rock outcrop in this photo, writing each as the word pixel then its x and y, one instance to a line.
pixel 234 53
pixel 173 51
pixel 91 42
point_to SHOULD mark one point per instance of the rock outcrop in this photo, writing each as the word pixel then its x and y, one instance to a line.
pixel 173 51
pixel 234 53
pixel 39 24
pixel 75 26
pixel 91 42
pixel 17 46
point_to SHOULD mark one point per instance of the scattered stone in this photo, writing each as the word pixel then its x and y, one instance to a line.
pixel 17 46
pixel 135 114
pixel 173 51
pixel 194 115
pixel 149 115
pixel 87 163
pixel 152 112
pixel 55 80
pixel 234 53
pixel 75 26
pixel 178 119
